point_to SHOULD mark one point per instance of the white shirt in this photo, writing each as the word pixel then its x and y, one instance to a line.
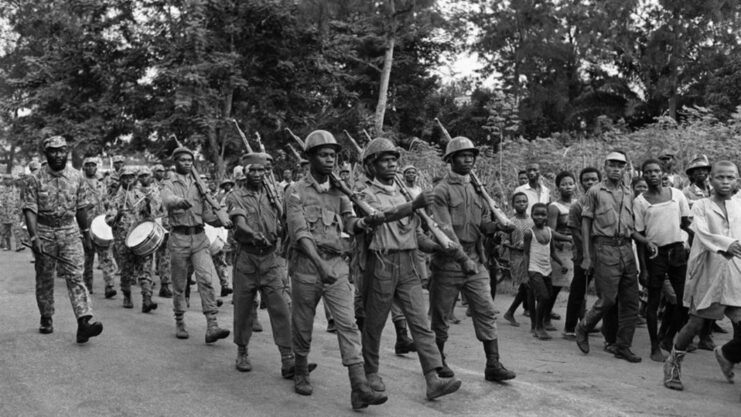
pixel 661 222
pixel 534 196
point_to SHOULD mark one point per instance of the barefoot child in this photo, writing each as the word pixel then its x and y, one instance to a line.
pixel 518 266
pixel 713 287
pixel 539 250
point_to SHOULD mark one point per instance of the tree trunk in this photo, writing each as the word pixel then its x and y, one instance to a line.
pixel 388 61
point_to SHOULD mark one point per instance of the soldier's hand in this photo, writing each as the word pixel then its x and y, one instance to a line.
pixel 424 199
pixel 452 248
pixel 36 246
pixel 325 274
pixel 470 267
pixel 87 242
pixel 184 204
pixel 586 265
pixel 261 240
pixel 374 219
pixel 228 224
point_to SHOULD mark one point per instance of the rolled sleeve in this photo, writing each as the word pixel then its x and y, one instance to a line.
pixel 29 195
pixel 169 199
pixel 297 227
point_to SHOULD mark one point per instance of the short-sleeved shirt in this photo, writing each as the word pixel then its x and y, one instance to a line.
pixel 316 211
pixel 661 222
pixel 534 195
pixel 258 212
pixel 179 187
pixel 56 193
pixel 611 210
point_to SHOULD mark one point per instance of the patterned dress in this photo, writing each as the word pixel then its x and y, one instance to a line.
pixel 517 257
pixel 563 249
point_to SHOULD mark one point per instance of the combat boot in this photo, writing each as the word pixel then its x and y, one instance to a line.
pixel 214 332
pixel 403 343
pixel 362 394
pixel 444 371
pixel 165 291
pixel 673 370
pixel 86 330
pixel 243 360
pixel 147 304
pixel 110 292
pixel 494 370
pixel 375 382
pixel 127 299
pixel 301 383
pixel 180 331
pixel 288 363
pixel 46 326
pixel 437 387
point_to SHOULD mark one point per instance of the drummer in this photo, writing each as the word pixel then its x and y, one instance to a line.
pixel 150 189
pixel 97 192
pixel 163 254
pixel 129 207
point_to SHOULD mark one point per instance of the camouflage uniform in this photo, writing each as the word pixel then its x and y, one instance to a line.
pixel 55 197
pixel 8 213
pixel 136 206
pixel 97 193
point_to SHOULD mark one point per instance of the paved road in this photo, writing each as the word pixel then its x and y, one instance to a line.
pixel 138 368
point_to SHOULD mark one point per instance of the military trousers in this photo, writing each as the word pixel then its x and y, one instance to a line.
pixel 444 288
pixel 396 280
pixel 253 273
pixel 134 268
pixel 163 261
pixel 106 265
pixel 64 243
pixel 616 282
pixel 194 249
pixel 307 289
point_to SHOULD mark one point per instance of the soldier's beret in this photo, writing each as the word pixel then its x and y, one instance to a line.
pixel 182 149
pixel 55 142
pixel 90 160
pixel 255 158
pixel 145 171
pixel 159 167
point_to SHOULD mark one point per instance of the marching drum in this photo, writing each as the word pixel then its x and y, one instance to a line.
pixel 100 232
pixel 145 238
pixel 217 237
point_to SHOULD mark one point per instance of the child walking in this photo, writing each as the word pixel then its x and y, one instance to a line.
pixel 539 250
pixel 517 261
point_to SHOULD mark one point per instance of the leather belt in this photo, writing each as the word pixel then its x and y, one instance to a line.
pixel 55 221
pixel 612 241
pixel 187 230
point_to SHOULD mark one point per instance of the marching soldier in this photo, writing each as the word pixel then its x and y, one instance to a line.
pixel 55 205
pixel 257 266
pixel 163 255
pixel 8 214
pixel 187 211
pixel 392 275
pixel 130 207
pixel 317 213
pixel 97 193
pixel 465 217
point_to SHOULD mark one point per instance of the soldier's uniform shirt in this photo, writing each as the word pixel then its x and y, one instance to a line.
pixel 258 268
pixel 320 213
pixel 98 196
pixel 615 270
pixel 463 215
pixel 55 197
pixel 8 213
pixel 394 278
pixel 188 242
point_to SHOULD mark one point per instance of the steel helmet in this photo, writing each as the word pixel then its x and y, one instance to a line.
pixel 377 147
pixel 457 144
pixel 319 138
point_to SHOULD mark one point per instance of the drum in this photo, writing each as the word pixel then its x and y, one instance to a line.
pixel 145 238
pixel 100 232
pixel 217 237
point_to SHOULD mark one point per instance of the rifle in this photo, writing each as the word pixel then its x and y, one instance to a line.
pixel 442 239
pixel 203 190
pixel 365 207
pixel 355 144
pixel 297 139
pixel 480 190
pixel 272 193
pixel 367 136
pixel 295 152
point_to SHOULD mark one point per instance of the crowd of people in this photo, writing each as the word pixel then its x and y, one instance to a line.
pixel 660 247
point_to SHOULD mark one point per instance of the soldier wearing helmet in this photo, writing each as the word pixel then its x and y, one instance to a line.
pixel 390 276
pixel 317 213
pixel 465 217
